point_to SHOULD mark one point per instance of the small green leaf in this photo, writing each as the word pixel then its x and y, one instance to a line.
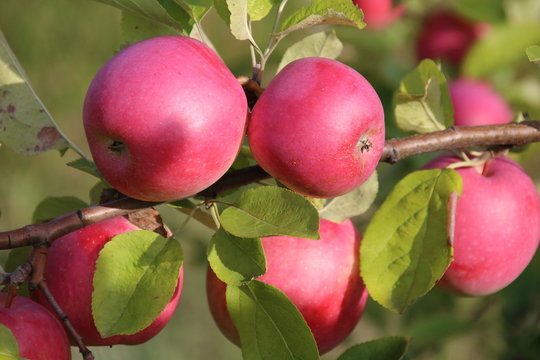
pixel 239 21
pixel 136 275
pixel 406 247
pixel 259 9
pixel 533 53
pixel 54 206
pixel 136 28
pixel 422 103
pixel 184 203
pixel 26 126
pixel 9 349
pixel 353 203
pixel 95 192
pixel 197 8
pixel 271 210
pixel 16 257
pixel 86 166
pixel 503 47
pixel 323 12
pixel 236 260
pixel 269 324
pixel 388 348
pixel 321 44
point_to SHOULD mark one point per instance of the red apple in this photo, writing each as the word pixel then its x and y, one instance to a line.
pixel 476 103
pixel 448 36
pixel 70 272
pixel 379 13
pixel 321 277
pixel 318 128
pixel 497 226
pixel 39 334
pixel 164 118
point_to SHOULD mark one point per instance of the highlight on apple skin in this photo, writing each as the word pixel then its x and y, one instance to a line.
pixel 321 277
pixel 164 118
pixel 39 334
pixel 497 226
pixel 70 272
pixel 477 103
pixel 318 128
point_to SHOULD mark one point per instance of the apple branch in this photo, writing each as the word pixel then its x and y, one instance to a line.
pixel 454 138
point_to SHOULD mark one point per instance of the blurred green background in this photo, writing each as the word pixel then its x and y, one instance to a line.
pixel 62 43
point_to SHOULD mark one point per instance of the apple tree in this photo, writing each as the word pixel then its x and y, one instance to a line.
pixel 313 179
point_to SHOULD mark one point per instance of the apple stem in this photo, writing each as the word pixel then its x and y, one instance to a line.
pixel 485 168
pixel 85 352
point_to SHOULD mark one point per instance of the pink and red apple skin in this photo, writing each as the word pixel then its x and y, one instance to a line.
pixel 477 103
pixel 318 128
pixel 497 227
pixel 70 272
pixel 448 36
pixel 321 277
pixel 379 13
pixel 39 334
pixel 164 118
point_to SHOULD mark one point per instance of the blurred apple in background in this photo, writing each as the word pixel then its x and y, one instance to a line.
pixel 379 13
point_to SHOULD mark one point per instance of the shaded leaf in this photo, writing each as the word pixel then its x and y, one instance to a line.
pixel 269 324
pixel 271 210
pixel 388 348
pixel 353 203
pixel 25 124
pixel 54 206
pixel 406 246
pixel 236 260
pixel 321 44
pixel 145 267
pixel 533 53
pixel 86 166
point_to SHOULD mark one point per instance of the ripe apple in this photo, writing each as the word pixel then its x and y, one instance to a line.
pixel 318 128
pixel 164 118
pixel 39 334
pixel 476 103
pixel 69 274
pixel 321 277
pixel 379 13
pixel 446 35
pixel 497 226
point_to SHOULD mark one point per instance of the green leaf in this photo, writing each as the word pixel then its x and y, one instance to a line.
pixel 269 324
pixel 54 206
pixel 26 126
pixel 136 275
pixel 353 203
pixel 16 257
pixel 323 12
pixel 503 47
pixel 239 21
pixel 86 166
pixel 9 349
pixel 422 103
pixel 223 11
pixel 388 348
pixel 184 203
pixel 259 9
pixel 271 210
pixel 95 192
pixel 533 53
pixel 481 10
pixel 166 12
pixel 236 260
pixel 406 247
pixel 321 44
pixel 136 28
pixel 197 8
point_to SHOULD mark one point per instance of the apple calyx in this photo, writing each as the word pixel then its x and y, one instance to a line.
pixel 116 146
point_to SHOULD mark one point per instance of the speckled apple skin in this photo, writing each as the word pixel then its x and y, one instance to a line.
pixel 178 110
pixel 318 128
pixel 477 103
pixel 69 273
pixel 39 334
pixel 321 277
pixel 497 227
pixel 379 13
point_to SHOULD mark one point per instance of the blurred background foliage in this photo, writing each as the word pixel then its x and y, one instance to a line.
pixel 62 43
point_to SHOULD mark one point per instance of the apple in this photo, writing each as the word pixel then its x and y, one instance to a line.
pixel 497 226
pixel 318 128
pixel 321 277
pixel 164 118
pixel 379 13
pixel 69 275
pixel 476 103
pixel 39 334
pixel 448 36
